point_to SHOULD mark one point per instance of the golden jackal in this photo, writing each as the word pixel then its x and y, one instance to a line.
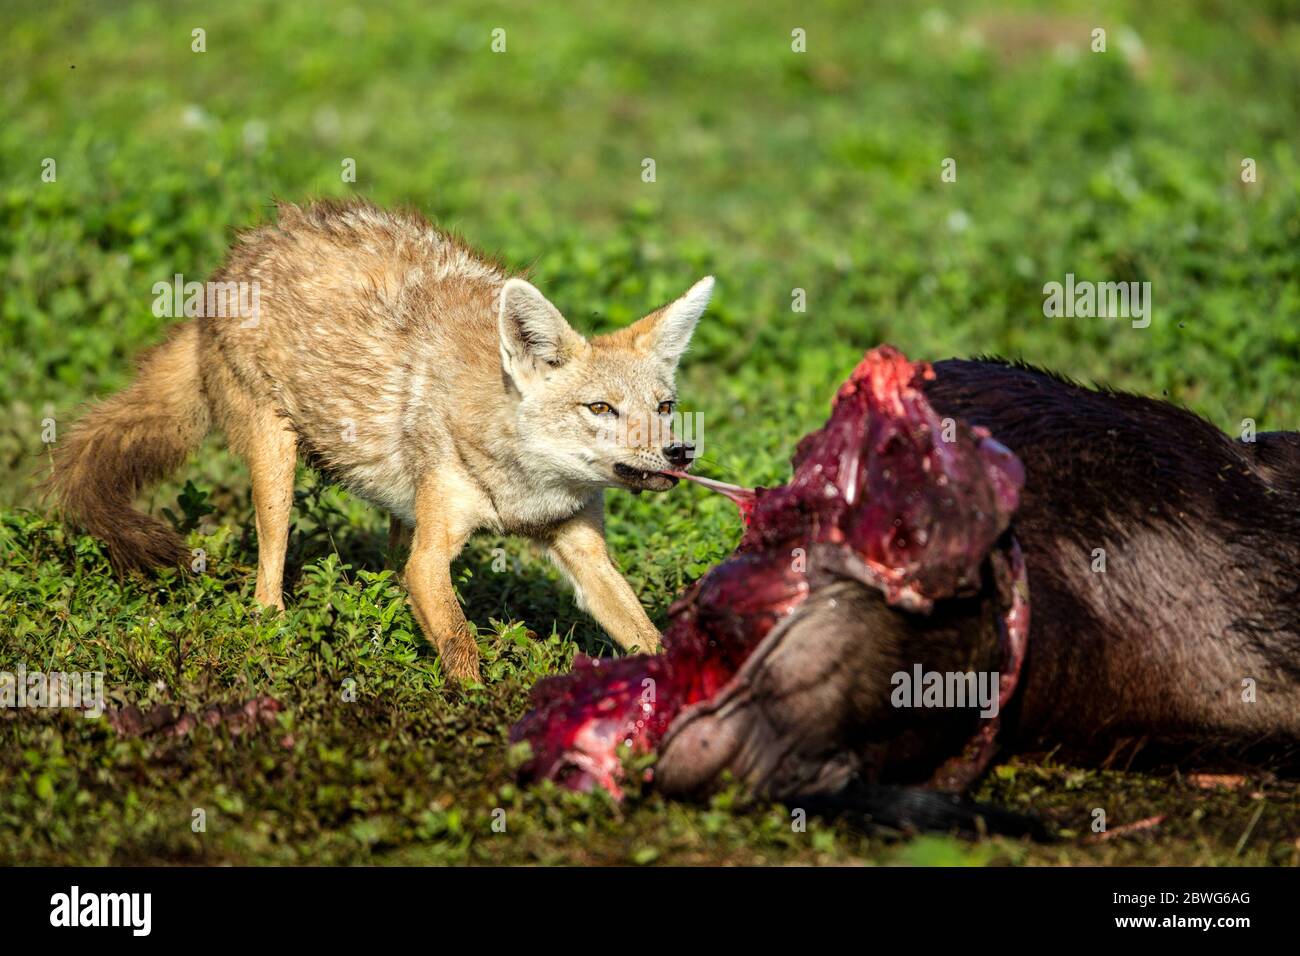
pixel 420 375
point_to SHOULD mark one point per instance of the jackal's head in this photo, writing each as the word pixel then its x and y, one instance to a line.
pixel 599 410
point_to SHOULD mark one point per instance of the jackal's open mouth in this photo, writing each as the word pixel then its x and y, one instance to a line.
pixel 638 480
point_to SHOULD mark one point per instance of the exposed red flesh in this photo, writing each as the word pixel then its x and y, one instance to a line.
pixel 915 501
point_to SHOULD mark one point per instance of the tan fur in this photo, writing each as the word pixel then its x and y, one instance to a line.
pixel 414 371
pixel 578 547
pixel 129 441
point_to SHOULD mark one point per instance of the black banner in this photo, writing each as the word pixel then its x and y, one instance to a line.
pixel 544 906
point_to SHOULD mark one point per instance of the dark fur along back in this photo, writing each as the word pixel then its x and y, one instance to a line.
pixel 1184 651
pixel 1191 633
pixel 127 442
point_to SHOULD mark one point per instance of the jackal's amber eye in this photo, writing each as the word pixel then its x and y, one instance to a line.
pixel 601 408
pixel 666 408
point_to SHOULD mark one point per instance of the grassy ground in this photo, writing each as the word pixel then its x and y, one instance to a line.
pixel 775 170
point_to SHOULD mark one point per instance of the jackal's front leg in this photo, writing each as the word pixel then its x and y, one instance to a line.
pixel 272 452
pixel 578 547
pixel 428 581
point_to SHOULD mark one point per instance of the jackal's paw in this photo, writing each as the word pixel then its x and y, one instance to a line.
pixel 648 643
pixel 460 660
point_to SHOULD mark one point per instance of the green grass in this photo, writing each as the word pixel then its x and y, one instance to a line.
pixel 776 171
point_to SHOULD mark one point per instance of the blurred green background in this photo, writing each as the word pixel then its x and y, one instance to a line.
pixel 776 170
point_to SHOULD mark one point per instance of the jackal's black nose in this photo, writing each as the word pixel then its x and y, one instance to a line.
pixel 680 453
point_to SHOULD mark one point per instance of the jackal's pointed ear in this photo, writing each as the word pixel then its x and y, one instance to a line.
pixel 667 332
pixel 534 336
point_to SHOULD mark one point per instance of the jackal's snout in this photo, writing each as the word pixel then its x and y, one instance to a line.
pixel 680 454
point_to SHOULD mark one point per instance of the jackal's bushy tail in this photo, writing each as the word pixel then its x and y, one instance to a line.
pixel 129 441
